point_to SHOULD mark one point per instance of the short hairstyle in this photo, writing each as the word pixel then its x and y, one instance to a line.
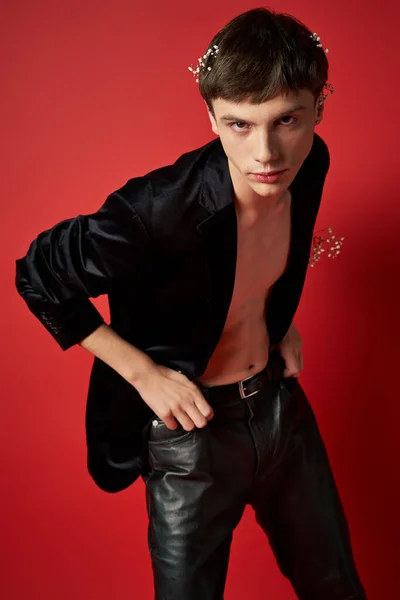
pixel 262 53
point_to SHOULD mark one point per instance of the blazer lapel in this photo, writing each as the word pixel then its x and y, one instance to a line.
pixel 219 237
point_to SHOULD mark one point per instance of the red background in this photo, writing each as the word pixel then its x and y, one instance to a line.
pixel 95 93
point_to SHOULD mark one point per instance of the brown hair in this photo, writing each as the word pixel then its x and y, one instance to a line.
pixel 262 53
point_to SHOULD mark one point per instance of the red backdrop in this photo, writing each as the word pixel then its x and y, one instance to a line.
pixel 95 93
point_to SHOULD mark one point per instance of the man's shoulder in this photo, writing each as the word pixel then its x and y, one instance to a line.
pixel 185 173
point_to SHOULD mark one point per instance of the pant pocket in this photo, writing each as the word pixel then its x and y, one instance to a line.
pixel 160 434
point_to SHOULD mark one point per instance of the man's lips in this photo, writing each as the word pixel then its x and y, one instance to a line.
pixel 268 173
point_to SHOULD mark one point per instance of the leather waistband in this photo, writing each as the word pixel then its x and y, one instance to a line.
pixel 250 386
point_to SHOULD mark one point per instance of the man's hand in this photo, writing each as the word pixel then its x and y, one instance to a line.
pixel 173 397
pixel 169 393
pixel 290 348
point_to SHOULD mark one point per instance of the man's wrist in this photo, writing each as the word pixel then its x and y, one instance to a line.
pixel 132 364
pixel 138 369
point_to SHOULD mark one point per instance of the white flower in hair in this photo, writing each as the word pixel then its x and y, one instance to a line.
pixel 316 38
pixel 195 69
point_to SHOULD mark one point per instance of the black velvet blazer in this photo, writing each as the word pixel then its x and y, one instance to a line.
pixel 163 248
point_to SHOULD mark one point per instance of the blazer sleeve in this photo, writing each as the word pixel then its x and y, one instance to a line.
pixel 79 258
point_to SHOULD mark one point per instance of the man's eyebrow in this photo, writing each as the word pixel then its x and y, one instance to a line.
pixel 293 109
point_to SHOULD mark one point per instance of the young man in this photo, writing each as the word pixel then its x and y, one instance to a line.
pixel 194 383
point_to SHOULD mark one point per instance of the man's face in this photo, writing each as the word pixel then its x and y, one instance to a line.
pixel 271 136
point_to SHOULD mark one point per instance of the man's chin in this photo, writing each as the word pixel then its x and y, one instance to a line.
pixel 269 190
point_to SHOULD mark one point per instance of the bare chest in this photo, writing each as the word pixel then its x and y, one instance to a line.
pixel 262 257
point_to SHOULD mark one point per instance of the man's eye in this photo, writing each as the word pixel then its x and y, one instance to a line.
pixel 239 128
pixel 294 120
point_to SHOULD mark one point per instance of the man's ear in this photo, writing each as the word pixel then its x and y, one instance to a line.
pixel 319 111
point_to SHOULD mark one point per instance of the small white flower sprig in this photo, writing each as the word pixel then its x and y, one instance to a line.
pixel 195 69
pixel 317 243
pixel 328 87
pixel 316 38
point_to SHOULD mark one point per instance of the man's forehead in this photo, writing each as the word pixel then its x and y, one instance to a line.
pixel 275 108
pixel 283 100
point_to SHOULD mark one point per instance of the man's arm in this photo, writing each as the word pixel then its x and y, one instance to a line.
pixel 79 258
pixel 130 362
pixel 84 257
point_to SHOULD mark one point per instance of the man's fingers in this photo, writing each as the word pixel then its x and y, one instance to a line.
pixel 196 416
pixel 288 373
pixel 203 406
pixel 184 420
pixel 170 422
pixel 189 408
pixel 293 365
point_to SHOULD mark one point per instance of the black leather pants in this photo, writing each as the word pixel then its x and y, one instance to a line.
pixel 266 451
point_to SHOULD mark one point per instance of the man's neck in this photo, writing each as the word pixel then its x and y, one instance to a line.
pixel 250 206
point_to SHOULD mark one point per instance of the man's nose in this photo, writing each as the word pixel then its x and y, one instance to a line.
pixel 266 149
